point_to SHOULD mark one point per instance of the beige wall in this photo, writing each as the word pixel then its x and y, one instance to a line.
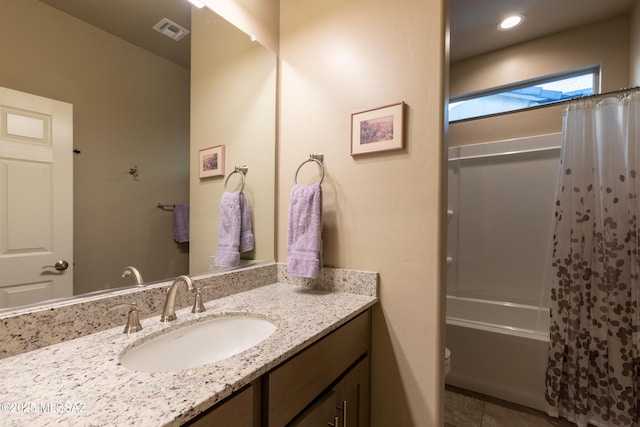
pixel 233 103
pixel 635 46
pixel 130 108
pixel 381 212
pixel 605 43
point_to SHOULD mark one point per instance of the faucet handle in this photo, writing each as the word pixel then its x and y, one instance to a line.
pixel 133 322
pixel 198 306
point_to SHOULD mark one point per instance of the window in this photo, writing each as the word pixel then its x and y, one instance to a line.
pixel 526 95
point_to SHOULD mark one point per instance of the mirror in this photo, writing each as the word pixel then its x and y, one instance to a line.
pixel 133 136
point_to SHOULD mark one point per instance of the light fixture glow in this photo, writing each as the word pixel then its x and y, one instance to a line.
pixel 510 22
pixel 197 3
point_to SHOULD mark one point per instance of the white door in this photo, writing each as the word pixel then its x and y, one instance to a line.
pixel 36 198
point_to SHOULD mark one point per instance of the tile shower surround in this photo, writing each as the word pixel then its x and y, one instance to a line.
pixel 25 330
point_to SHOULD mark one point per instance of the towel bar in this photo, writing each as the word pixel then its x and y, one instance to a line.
pixel 317 158
pixel 165 206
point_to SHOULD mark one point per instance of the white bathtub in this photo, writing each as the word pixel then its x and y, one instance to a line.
pixel 498 349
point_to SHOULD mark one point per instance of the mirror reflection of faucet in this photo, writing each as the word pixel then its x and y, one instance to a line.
pixel 128 271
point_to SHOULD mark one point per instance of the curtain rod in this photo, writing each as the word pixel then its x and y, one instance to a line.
pixel 603 94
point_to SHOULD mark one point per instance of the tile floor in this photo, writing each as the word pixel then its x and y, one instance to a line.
pixel 465 408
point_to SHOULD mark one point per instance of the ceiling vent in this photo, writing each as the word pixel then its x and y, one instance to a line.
pixel 170 29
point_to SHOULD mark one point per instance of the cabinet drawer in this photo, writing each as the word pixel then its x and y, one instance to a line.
pixel 239 410
pixel 297 382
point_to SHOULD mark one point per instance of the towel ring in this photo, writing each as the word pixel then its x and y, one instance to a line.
pixel 242 170
pixel 318 158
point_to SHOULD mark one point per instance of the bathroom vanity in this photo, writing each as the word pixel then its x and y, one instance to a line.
pixel 325 383
pixel 313 370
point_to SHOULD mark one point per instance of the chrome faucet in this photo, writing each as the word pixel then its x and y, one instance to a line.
pixel 128 271
pixel 169 311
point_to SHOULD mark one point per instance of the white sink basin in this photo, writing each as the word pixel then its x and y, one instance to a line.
pixel 197 344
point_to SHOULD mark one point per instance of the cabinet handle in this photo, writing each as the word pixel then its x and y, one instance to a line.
pixel 335 422
pixel 344 412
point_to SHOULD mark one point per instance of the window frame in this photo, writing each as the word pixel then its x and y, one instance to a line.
pixel 595 69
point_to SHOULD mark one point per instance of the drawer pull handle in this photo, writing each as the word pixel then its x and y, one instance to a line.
pixel 344 412
pixel 335 422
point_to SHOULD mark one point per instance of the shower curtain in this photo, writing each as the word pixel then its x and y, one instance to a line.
pixel 593 366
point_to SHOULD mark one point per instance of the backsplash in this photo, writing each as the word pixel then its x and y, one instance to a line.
pixel 29 329
pixel 42 326
pixel 335 279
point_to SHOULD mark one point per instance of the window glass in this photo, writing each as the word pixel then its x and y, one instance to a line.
pixel 523 96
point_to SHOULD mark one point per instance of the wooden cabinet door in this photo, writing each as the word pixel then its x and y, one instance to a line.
pixel 352 396
pixel 321 413
pixel 296 383
pixel 346 404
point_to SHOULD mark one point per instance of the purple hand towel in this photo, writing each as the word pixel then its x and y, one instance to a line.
pixel 181 223
pixel 229 225
pixel 304 240
pixel 246 233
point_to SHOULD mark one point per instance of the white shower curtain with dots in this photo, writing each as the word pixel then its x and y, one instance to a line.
pixel 593 371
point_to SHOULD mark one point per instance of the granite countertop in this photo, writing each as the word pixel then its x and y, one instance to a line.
pixel 80 382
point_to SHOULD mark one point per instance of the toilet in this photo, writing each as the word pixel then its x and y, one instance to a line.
pixel 447 361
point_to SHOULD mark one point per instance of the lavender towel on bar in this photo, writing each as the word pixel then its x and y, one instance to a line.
pixel 246 232
pixel 181 223
pixel 229 225
pixel 235 234
pixel 304 239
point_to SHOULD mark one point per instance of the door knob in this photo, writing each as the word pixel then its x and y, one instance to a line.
pixel 61 265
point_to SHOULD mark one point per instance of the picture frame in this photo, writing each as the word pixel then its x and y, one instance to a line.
pixel 212 161
pixel 378 129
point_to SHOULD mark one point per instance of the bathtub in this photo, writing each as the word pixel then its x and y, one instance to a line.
pixel 498 349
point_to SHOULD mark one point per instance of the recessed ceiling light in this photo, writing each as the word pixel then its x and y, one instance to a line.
pixel 510 21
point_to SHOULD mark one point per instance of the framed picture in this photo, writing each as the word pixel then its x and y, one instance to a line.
pixel 380 129
pixel 212 162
